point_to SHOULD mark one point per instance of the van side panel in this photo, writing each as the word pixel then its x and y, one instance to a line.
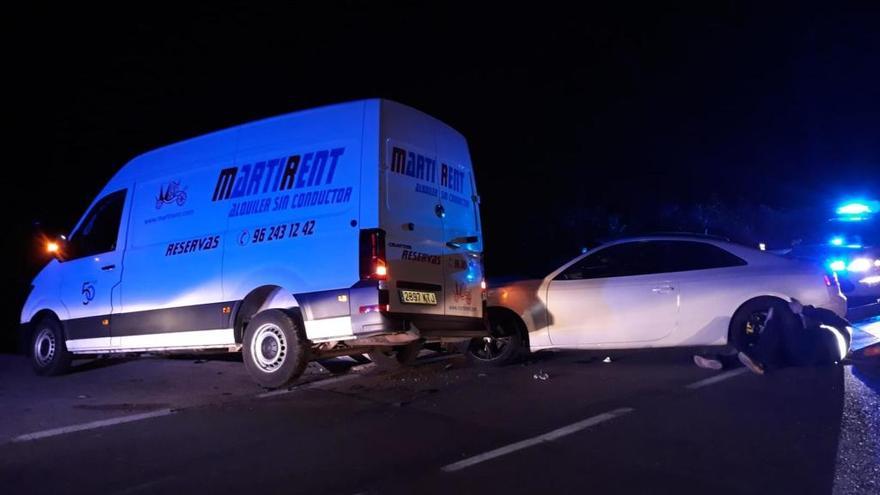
pixel 371 158
pixel 293 212
pixel 171 279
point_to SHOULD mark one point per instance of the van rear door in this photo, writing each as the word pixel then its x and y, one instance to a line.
pixel 463 244
pixel 412 220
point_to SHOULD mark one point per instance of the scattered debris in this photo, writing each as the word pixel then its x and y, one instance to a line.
pixel 541 375
pixel 200 361
pixel 448 366
pixel 607 359
pixel 481 375
pixel 82 396
pixel 361 367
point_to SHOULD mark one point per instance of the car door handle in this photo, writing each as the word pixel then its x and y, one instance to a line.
pixel 107 268
pixel 663 289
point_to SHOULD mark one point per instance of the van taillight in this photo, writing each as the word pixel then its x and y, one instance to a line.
pixel 372 254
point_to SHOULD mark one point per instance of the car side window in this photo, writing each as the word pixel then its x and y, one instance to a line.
pixel 621 260
pixel 691 255
pixel 98 232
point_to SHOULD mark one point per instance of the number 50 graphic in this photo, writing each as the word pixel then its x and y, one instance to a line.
pixel 88 292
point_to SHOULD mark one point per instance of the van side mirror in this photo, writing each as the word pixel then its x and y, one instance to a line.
pixel 50 243
pixel 56 247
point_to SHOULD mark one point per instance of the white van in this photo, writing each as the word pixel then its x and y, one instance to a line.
pixel 342 230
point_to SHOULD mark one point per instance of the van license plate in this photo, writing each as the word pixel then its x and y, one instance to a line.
pixel 417 297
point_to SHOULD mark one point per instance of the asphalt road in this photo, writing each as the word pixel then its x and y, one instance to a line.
pixel 564 422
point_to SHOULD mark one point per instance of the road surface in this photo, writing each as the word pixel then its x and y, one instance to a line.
pixel 564 422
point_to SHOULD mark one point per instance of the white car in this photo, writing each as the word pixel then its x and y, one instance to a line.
pixel 653 291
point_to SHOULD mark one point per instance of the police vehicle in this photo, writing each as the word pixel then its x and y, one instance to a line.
pixel 849 246
pixel 342 230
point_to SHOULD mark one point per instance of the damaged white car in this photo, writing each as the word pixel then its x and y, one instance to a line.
pixel 652 291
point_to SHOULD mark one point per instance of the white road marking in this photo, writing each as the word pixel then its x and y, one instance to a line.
pixel 717 378
pixel 92 425
pixel 546 437
pixel 306 386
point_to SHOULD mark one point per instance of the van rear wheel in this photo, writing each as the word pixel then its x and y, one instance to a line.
pixel 275 350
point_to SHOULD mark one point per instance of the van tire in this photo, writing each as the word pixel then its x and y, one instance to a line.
pixel 48 350
pixel 275 350
pixel 397 356
pixel 505 344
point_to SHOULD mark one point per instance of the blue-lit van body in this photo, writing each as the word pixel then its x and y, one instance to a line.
pixel 270 214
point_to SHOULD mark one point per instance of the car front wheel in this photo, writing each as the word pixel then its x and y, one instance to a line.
pixel 504 344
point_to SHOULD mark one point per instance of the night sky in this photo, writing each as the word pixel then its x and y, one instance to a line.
pixel 570 114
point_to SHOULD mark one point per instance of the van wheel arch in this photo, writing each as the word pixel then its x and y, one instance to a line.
pixel 39 317
pixel 254 302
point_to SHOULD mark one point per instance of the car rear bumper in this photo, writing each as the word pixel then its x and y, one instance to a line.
pixel 838 304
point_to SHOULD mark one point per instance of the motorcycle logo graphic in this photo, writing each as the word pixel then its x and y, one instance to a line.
pixel 171 193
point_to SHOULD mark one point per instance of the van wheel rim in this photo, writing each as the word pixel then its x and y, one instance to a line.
pixel 269 348
pixel 44 347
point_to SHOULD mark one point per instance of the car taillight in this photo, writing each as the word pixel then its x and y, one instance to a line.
pixel 372 255
pixel 831 280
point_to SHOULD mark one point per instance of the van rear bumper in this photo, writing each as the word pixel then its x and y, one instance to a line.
pixel 427 326
pixel 433 326
pixel 365 305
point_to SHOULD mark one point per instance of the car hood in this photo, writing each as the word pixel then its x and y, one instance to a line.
pixel 499 294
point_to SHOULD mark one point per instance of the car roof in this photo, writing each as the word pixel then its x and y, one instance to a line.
pixel 671 235
pixel 751 254
pixel 674 236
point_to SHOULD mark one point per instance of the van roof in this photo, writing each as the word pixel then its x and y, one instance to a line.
pixel 220 142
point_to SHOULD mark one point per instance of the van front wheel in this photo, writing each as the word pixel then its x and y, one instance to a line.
pixel 49 354
pixel 275 350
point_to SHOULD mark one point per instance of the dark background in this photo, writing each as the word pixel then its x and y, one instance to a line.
pixel 737 119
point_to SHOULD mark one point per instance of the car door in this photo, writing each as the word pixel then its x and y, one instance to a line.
pixel 711 285
pixel 617 295
pixel 92 267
